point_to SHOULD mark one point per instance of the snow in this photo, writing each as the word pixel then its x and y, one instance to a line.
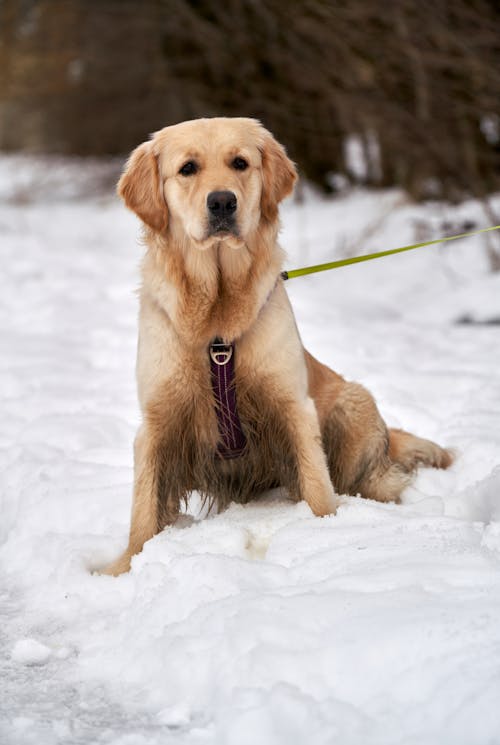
pixel 30 652
pixel 263 624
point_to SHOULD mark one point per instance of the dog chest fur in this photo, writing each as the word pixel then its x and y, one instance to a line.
pixel 183 423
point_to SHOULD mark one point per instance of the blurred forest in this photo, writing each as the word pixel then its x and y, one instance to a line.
pixel 411 86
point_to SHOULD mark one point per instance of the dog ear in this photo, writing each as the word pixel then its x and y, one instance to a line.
pixel 278 177
pixel 140 187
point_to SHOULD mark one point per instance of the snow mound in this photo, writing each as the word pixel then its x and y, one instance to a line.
pixel 30 652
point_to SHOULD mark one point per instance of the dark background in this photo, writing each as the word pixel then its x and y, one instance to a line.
pixel 417 82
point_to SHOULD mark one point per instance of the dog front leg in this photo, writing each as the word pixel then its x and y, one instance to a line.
pixel 315 486
pixel 145 522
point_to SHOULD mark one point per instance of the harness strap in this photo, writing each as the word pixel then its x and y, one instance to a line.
pixel 232 438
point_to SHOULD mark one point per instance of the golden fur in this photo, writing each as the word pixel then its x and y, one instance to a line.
pixel 307 428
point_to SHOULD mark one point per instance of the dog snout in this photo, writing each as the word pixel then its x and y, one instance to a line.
pixel 222 204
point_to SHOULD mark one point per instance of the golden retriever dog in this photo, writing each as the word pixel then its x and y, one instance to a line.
pixel 212 296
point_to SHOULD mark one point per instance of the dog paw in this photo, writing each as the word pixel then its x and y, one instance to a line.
pixel 120 566
pixel 327 504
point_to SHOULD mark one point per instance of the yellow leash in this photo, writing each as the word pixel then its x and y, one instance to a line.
pixel 368 257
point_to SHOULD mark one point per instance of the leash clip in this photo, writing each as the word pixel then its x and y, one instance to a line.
pixel 221 353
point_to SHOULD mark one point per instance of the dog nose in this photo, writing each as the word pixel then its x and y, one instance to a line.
pixel 221 203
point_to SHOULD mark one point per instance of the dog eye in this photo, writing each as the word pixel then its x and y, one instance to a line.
pixel 189 168
pixel 239 164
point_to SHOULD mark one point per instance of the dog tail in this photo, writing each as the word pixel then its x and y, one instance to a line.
pixel 410 451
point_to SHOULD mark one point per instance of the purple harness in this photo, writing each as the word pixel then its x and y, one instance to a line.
pixel 232 438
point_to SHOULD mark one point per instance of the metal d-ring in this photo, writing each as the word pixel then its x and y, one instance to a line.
pixel 221 356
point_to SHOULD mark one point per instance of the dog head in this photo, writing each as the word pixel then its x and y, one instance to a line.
pixel 208 180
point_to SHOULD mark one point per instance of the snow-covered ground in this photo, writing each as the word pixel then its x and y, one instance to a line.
pixel 262 625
